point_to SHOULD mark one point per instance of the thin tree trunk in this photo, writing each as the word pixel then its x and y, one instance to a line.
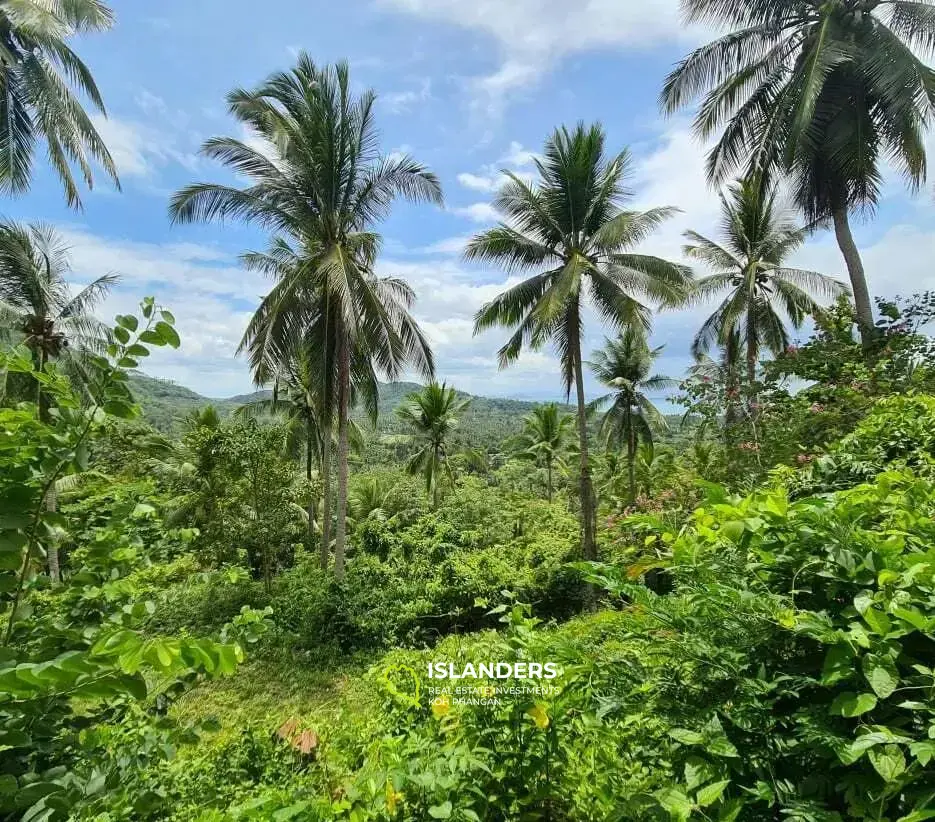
pixel 437 469
pixel 325 547
pixel 588 514
pixel 549 471
pixel 855 270
pixel 55 572
pixel 340 533
pixel 51 497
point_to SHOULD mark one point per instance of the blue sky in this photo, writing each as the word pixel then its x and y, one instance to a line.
pixel 467 86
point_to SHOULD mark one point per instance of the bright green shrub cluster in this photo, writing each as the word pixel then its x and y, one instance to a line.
pixel 788 675
pixel 898 430
pixel 407 581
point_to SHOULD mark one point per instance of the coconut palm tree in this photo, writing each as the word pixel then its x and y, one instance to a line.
pixel 825 90
pixel 37 72
pixel 625 366
pixel 544 433
pixel 296 397
pixel 319 184
pixel 749 266
pixel 571 229
pixel 37 306
pixel 431 415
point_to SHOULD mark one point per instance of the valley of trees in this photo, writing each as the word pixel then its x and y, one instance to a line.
pixel 219 610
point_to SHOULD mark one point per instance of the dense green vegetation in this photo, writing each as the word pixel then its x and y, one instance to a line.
pixel 263 608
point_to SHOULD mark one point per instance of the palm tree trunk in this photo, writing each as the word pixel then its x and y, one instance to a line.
pixel 340 534
pixel 309 455
pixel 855 270
pixel 751 355
pixel 548 464
pixel 436 469
pixel 588 514
pixel 325 547
pixel 631 454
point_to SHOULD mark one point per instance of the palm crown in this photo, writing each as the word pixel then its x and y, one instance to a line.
pixel 625 366
pixel 824 90
pixel 749 266
pixel 36 67
pixel 572 230
pixel 319 186
pixel 544 433
pixel 36 303
pixel 431 415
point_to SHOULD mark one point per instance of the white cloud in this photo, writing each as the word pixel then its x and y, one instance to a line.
pixel 478 182
pixel 518 157
pixel 140 150
pixel 534 34
pixel 450 246
pixel 400 102
pixel 478 212
pixel 210 296
pixel 516 160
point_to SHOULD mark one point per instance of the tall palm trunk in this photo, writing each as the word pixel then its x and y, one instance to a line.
pixel 588 514
pixel 325 547
pixel 751 353
pixel 309 457
pixel 631 453
pixel 344 380
pixel 855 270
pixel 438 468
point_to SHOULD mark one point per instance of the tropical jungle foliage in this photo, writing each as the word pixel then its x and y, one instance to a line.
pixel 231 610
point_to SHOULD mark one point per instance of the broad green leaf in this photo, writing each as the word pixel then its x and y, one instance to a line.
pixel 888 761
pixel 128 321
pixel 881 674
pixel 851 704
pixel 838 664
pixel 686 737
pixel 924 751
pixel 442 811
pixel 168 333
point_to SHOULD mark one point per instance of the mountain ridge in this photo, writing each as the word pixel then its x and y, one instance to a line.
pixel 166 403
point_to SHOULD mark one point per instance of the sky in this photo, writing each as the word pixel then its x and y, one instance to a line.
pixel 469 87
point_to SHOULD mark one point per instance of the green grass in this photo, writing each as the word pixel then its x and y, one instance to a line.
pixel 268 692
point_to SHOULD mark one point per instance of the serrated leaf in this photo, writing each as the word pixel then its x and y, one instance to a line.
pixel 710 794
pixel 676 803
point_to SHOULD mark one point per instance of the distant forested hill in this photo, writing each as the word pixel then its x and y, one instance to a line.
pixel 484 424
pixel 165 405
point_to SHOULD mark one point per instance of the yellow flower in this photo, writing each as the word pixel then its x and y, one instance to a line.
pixel 441 705
pixel 393 797
pixel 539 716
